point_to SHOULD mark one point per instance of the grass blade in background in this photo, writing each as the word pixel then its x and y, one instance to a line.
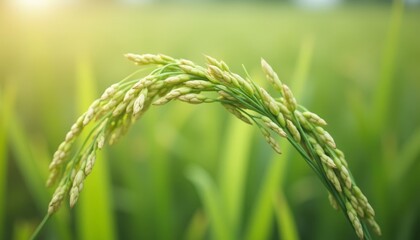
pixel 259 224
pixel 212 201
pixel 383 95
pixel 285 220
pixel 234 163
pixel 7 99
pixel 163 214
pixel 197 227
pixel 407 158
pixel 160 161
pixel 27 165
pixel 409 223
pixel 95 218
pixel 22 231
pixel 382 106
pixel 303 64
pixel 408 163
pixel 32 168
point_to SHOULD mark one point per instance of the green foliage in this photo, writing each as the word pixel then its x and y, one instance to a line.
pixel 7 97
pixel 124 102
pixel 99 198
pixel 39 59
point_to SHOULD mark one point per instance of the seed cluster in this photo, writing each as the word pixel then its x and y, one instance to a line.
pixel 178 79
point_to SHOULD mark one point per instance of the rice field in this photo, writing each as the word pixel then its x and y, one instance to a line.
pixel 195 172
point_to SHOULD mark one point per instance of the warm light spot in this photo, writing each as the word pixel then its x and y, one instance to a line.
pixel 33 4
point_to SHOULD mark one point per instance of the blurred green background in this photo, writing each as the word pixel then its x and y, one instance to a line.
pixel 195 172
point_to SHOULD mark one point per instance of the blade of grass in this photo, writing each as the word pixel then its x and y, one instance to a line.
pixel 212 202
pixel 300 75
pixel 94 213
pixel 259 224
pixel 285 220
pixel 22 230
pixel 383 95
pixel 132 202
pixel 234 162
pixel 160 167
pixel 32 167
pixel 94 216
pixel 359 112
pixel 197 227
pixel 161 188
pixel 383 99
pixel 62 220
pixel 7 99
pixel 181 118
pixel 408 228
pixel 158 181
pixel 407 157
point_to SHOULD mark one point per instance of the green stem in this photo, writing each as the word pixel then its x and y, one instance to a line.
pixel 40 226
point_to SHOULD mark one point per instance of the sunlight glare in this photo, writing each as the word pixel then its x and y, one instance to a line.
pixel 33 4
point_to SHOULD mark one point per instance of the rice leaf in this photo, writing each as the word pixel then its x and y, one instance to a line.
pixel 212 201
pixel 234 163
pixel 95 216
pixel 7 100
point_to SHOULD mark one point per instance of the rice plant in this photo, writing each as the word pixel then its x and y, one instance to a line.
pixel 123 103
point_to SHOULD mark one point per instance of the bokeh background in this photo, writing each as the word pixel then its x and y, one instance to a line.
pixel 195 172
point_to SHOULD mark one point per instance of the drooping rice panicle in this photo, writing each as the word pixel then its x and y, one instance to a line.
pixel 125 102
